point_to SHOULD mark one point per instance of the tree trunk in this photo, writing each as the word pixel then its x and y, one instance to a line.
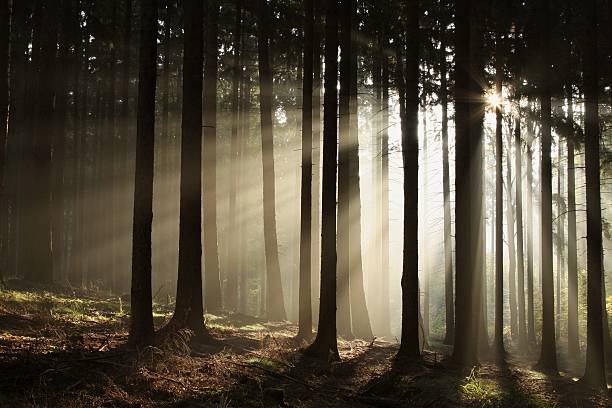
pixel 275 304
pixel 573 345
pixel 305 301
pixel 522 327
pixel 316 156
pixel 409 348
pixel 499 208
pixel 231 299
pixel 359 310
pixel 595 371
pixel 344 122
pixel 548 356
pixel 325 344
pixel 449 336
pixel 141 326
pixel 5 17
pixel 189 311
pixel 384 194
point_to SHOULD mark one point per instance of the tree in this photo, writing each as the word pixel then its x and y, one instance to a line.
pixel 344 221
pixel 231 299
pixel 211 250
pixel 595 370
pixel 5 15
pixel 522 327
pixel 188 312
pixel 141 325
pixel 409 348
pixel 499 206
pixel 548 356
pixel 449 336
pixel 305 302
pixel 275 305
pixel 325 343
pixel 573 345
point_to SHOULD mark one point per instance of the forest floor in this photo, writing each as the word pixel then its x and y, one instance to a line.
pixel 65 349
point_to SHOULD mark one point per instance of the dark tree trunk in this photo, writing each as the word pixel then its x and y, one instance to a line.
pixel 449 336
pixel 5 16
pixel 37 232
pixel 343 243
pixel 141 326
pixel 468 190
pixel 325 344
pixel 305 293
pixel 520 262
pixel 275 304
pixel 233 272
pixel 189 311
pixel 360 318
pixel 499 208
pixel 595 371
pixel 531 337
pixel 114 206
pixel 409 348
pixel 316 155
pixel 548 356
pixel 125 133
pixel 212 281
pixel 512 264
pixel 573 345
pixel 189 304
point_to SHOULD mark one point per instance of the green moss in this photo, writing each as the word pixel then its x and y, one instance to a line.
pixel 264 362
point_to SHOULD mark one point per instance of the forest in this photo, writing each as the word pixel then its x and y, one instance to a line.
pixel 305 203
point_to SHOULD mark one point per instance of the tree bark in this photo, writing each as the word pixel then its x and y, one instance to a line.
pixel 409 348
pixel 548 356
pixel 305 301
pixel 212 282
pixel 141 326
pixel 595 370
pixel 499 208
pixel 188 312
pixel 325 344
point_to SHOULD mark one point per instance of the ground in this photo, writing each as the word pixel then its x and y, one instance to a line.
pixel 65 351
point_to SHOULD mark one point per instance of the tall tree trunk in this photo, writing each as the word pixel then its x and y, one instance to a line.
pixel 522 327
pixel 531 338
pixel 409 348
pixel 499 207
pixel 275 304
pixel 233 272
pixel 449 336
pixel 425 259
pixel 5 16
pixel 560 234
pixel 548 356
pixel 141 326
pixel 113 148
pixel 573 345
pixel 212 282
pixel 125 132
pixel 305 301
pixel 325 344
pixel 344 122
pixel 189 311
pixel 316 155
pixel 359 310
pixel 384 194
pixel 39 264
pixel 595 370
pixel 512 264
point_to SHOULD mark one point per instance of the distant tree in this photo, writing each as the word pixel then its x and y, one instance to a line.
pixel 275 305
pixel 520 293
pixel 573 344
pixel 499 204
pixel 325 344
pixel 5 16
pixel 141 325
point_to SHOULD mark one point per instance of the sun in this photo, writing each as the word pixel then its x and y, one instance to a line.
pixel 494 100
